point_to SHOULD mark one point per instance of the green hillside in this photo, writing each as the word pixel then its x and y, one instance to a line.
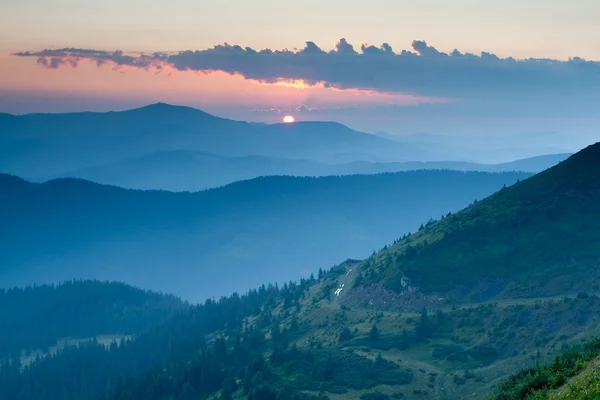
pixel 539 237
pixel 301 341
pixel 573 374
pixel 449 313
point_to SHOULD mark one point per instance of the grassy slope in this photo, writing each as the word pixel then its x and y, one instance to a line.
pixel 521 332
pixel 449 364
pixel 585 385
pixel 574 374
pixel 535 238
pixel 475 343
pixel 27 357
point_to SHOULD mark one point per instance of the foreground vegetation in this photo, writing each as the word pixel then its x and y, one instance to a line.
pixel 301 341
pixel 35 318
pixel 572 375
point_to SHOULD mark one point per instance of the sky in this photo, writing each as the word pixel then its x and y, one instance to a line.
pixel 462 66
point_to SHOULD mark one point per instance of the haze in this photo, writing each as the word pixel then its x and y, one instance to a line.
pixel 318 200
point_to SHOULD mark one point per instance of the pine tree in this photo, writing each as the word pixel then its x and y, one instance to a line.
pixel 374 334
pixel 294 323
pixel 424 325
pixel 345 335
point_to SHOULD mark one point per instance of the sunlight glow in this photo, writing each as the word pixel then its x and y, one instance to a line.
pixel 296 83
pixel 288 119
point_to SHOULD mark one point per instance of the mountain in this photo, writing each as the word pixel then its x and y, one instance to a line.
pixel 268 229
pixel 167 147
pixel 536 238
pixel 185 170
pixel 37 145
pixel 492 147
pixel 533 164
pixel 349 333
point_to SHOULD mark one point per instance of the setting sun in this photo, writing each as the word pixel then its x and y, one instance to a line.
pixel 288 119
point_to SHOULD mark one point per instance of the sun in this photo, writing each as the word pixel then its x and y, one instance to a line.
pixel 288 119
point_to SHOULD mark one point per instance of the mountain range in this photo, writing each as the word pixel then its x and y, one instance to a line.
pixel 269 229
pixel 448 312
pixel 493 295
pixel 183 149
pixel 50 144
pixel 185 170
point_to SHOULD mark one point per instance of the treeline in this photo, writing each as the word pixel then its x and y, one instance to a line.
pixel 238 345
pixel 93 370
pixel 35 317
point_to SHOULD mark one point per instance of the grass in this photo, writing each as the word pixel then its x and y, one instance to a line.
pixel 572 374
pixel 525 331
pixel 535 238
pixel 585 385
pixel 105 340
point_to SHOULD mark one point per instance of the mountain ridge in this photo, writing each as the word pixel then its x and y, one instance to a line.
pixel 449 253
pixel 55 144
pixel 189 170
pixel 72 228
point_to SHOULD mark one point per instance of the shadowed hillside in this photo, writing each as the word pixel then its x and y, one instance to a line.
pixel 36 317
pixel 536 238
pixel 267 229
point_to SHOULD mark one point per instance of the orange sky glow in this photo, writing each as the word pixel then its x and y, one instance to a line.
pixel 183 87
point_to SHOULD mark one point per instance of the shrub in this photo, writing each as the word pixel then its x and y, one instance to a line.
pixel 374 396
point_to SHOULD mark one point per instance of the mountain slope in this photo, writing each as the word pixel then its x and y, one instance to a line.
pixel 296 342
pixel 267 229
pixel 536 238
pixel 313 340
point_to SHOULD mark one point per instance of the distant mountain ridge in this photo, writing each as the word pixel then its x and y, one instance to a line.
pixel 127 148
pixel 265 229
pixel 58 143
pixel 186 170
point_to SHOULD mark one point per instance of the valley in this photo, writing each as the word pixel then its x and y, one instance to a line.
pixel 417 319
pixel 326 200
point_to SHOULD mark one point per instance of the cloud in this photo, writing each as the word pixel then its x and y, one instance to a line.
pixel 70 56
pixel 421 71
pixel 370 50
pixel 344 48
pixel 304 109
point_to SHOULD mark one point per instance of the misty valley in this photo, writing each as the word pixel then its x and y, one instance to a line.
pixel 163 253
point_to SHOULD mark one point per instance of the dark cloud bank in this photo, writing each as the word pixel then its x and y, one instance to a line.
pixel 423 71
